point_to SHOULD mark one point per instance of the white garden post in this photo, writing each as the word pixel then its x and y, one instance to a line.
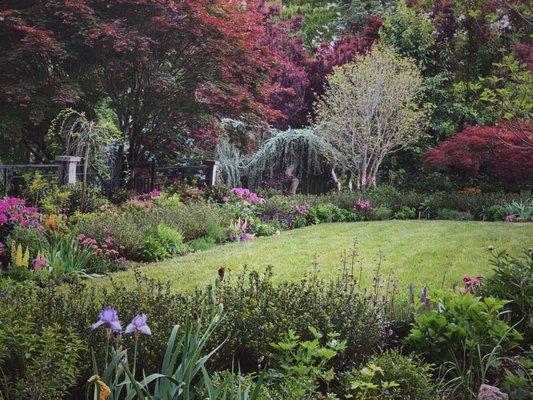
pixel 69 166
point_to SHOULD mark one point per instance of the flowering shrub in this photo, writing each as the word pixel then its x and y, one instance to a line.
pixel 107 247
pixel 471 284
pixel 302 209
pixel 247 195
pixel 13 211
pixel 363 206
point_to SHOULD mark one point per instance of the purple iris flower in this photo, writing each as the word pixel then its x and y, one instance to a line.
pixel 138 325
pixel 109 318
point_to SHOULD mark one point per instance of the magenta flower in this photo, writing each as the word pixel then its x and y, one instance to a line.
pixel 109 318
pixel 39 263
pixel 2 247
pixel 138 325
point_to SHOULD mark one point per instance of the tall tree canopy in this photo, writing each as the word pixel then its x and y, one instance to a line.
pixel 369 110
pixel 164 65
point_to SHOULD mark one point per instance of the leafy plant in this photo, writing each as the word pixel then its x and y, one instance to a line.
pixel 381 213
pixel 522 209
pixel 364 386
pixel 405 213
pixel 413 377
pixel 65 255
pixel 494 212
pixel 465 335
pixel 306 360
pixel 512 279
pixel 38 362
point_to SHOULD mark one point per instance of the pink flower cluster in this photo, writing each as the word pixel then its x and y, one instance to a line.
pixel 471 283
pixel 302 209
pixel 108 247
pixel 150 195
pixel 247 195
pixel 39 263
pixel 363 206
pixel 14 210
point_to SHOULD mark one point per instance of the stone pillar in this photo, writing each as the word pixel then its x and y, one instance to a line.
pixel 69 166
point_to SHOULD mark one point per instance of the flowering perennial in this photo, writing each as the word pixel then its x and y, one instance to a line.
pixel 363 206
pixel 247 195
pixel 108 317
pixel 138 325
pixel 14 210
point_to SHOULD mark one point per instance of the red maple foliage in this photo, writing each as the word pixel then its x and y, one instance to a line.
pixel 162 65
pixel 495 152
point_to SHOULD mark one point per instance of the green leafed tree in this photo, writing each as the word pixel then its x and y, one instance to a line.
pixel 370 110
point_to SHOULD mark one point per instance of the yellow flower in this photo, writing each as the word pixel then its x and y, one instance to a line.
pixel 104 389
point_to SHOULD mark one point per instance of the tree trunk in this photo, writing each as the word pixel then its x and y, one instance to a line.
pixel 294 180
pixel 335 179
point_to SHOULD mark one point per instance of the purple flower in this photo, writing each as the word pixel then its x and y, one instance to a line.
pixel 289 219
pixel 138 325
pixel 246 236
pixel 511 218
pixel 109 318
pixel 424 299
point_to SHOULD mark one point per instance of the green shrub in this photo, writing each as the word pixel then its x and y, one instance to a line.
pixel 381 213
pixel 217 192
pixel 69 199
pixel 75 307
pixel 171 239
pixel 32 239
pixel 428 206
pixel 328 213
pixel 512 279
pixel 37 362
pixel 447 214
pixel 203 243
pixel 413 377
pixel 464 335
pixel 280 204
pixel 494 212
pixel 405 213
pixel 259 312
pixel 194 220
pixel 263 229
pixel 128 228
pixel 153 250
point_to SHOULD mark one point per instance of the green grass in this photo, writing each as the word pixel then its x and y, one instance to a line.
pixel 421 252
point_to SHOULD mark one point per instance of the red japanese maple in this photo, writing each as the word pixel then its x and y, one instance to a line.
pixel 493 151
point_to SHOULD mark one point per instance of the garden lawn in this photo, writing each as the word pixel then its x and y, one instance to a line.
pixel 422 252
